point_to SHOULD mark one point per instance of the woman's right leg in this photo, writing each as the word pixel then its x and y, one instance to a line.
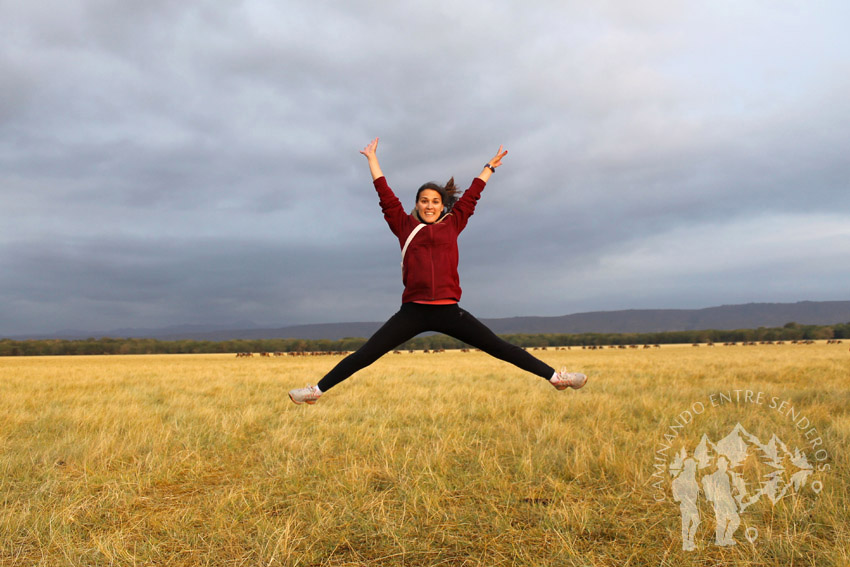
pixel 400 328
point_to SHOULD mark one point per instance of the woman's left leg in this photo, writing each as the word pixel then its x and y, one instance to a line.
pixel 460 324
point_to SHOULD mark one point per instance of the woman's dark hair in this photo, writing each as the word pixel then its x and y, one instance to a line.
pixel 448 192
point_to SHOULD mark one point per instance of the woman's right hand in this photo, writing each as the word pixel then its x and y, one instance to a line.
pixel 374 166
pixel 369 150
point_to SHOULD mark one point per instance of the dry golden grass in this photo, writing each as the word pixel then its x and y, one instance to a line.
pixel 421 459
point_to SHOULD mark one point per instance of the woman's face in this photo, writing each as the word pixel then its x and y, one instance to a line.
pixel 429 205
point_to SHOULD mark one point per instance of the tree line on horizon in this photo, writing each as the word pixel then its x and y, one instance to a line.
pixel 106 345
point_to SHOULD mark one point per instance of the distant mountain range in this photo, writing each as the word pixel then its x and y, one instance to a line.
pixel 725 317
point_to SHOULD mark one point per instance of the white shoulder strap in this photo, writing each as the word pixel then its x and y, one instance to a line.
pixel 416 229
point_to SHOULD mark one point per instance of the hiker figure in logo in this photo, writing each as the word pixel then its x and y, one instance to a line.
pixel 686 492
pixel 718 490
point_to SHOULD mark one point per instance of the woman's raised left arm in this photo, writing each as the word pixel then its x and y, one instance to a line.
pixel 491 165
pixel 465 206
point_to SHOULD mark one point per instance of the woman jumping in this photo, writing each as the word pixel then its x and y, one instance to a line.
pixel 428 237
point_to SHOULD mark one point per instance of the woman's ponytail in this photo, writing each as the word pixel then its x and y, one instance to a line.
pixel 450 194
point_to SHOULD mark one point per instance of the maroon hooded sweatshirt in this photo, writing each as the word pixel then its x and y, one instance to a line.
pixel 429 270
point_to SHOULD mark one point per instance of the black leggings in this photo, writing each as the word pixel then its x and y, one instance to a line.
pixel 415 318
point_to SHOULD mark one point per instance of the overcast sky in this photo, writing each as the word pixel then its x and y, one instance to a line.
pixel 165 162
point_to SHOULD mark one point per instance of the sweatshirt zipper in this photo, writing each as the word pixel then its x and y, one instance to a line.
pixel 431 257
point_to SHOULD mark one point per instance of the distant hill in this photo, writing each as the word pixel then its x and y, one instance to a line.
pixel 725 317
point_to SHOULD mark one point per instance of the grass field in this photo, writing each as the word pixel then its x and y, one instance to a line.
pixel 421 459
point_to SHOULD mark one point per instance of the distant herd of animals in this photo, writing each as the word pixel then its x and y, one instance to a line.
pixel 587 347
pixel 345 353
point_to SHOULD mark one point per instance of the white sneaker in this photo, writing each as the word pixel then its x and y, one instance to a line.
pixel 563 380
pixel 308 395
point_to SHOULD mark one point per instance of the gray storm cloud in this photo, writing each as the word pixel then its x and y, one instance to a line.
pixel 164 164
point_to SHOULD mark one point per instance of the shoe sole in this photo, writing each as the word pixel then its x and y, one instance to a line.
pixel 296 402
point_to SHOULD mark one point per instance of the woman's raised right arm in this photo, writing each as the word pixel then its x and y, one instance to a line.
pixel 390 205
pixel 370 153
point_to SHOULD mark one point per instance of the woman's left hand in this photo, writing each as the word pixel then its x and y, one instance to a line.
pixel 497 161
pixel 493 163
